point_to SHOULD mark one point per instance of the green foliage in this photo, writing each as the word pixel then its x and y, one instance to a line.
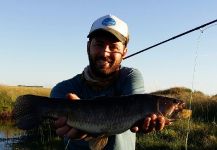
pixel 8 95
pixel 5 101
pixel 201 129
pixel 201 136
pixel 204 110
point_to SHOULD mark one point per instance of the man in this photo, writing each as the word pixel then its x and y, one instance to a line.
pixel 104 76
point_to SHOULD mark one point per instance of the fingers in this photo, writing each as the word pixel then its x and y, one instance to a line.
pixel 72 96
pixel 67 131
pixel 169 121
pixel 160 123
pixel 75 134
pixel 61 127
pixel 152 122
pixel 134 129
pixel 61 121
pixel 62 131
pixel 149 123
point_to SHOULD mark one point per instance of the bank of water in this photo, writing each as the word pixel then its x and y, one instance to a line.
pixel 42 138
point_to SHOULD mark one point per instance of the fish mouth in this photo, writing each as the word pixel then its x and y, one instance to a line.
pixel 177 110
pixel 180 106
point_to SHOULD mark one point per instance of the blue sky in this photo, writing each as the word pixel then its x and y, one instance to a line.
pixel 43 42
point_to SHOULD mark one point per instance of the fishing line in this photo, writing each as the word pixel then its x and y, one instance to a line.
pixel 172 38
pixel 192 89
pixel 66 147
pixel 193 80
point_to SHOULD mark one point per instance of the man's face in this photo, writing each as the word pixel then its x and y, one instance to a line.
pixel 105 55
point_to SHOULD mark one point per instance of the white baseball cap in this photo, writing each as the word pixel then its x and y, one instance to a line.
pixel 113 25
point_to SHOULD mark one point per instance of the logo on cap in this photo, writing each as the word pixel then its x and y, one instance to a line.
pixel 108 22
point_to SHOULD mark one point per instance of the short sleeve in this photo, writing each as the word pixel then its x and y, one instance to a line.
pixel 131 82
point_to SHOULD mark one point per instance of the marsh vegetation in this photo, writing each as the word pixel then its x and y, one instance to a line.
pixel 200 132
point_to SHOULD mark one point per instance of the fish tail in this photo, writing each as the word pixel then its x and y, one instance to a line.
pixel 25 112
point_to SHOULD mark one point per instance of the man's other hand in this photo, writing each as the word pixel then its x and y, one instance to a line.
pixel 151 123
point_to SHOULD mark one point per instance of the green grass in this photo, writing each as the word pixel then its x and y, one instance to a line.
pixel 202 131
pixel 201 136
pixel 14 91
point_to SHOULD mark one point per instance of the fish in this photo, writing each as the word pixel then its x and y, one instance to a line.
pixel 103 115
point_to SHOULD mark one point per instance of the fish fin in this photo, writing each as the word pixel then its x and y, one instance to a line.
pixel 24 112
pixel 98 143
pixel 88 138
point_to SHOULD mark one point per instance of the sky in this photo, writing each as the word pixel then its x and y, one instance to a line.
pixel 43 42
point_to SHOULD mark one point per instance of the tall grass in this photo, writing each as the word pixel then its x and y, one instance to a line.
pixel 202 136
pixel 202 131
pixel 14 91
pixel 8 95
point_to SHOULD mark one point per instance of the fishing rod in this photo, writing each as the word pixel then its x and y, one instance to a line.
pixel 172 38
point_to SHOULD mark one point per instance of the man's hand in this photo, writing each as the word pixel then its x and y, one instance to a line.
pixel 64 130
pixel 151 123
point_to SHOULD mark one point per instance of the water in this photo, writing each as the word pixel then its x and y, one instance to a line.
pixel 12 138
pixel 3 144
pixel 8 135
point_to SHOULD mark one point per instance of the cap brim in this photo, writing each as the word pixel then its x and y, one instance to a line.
pixel 119 36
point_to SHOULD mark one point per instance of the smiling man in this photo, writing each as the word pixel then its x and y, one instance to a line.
pixel 104 76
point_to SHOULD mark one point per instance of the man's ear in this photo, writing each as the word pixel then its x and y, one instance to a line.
pixel 124 52
pixel 88 46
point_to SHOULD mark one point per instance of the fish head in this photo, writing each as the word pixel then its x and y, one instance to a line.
pixel 169 107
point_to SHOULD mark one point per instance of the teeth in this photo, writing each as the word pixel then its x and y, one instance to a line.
pixel 103 62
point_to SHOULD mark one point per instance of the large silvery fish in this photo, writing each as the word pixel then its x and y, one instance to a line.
pixel 97 116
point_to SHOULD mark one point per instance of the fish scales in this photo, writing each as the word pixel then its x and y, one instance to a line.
pixel 115 116
pixel 100 115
